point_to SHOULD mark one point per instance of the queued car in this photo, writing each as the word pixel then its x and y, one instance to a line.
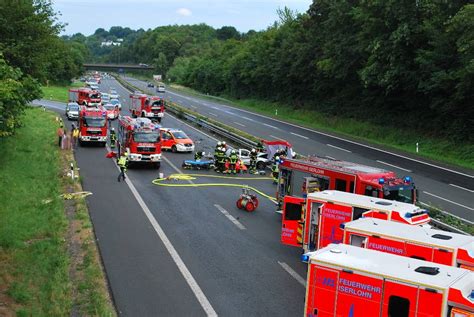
pixel 112 111
pixel 175 140
pixel 161 88
pixel 105 98
pixel 72 111
pixel 150 84
pixel 244 156
pixel 116 102
pixel 113 94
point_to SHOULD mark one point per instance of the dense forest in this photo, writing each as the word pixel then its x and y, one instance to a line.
pixel 31 53
pixel 408 64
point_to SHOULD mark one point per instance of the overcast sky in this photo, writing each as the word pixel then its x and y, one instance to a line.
pixel 86 16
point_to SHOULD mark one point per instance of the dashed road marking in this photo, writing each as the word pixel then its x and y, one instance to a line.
pixel 400 168
pixel 460 187
pixel 276 137
pixel 449 201
pixel 238 123
pixel 270 126
pixel 293 273
pixel 330 157
pixel 230 217
pixel 229 112
pixel 299 135
pixel 339 148
pixel 215 108
pixel 213 114
pixel 247 119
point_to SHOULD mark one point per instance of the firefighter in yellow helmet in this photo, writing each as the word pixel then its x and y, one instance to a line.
pixel 122 163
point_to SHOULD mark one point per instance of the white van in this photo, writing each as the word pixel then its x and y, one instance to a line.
pixel 160 88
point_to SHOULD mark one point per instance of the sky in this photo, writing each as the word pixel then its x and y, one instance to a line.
pixel 85 16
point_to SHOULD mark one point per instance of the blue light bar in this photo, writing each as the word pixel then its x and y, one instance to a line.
pixel 305 257
pixel 381 181
pixel 407 179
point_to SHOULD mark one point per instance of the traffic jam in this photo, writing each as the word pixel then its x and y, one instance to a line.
pixel 369 249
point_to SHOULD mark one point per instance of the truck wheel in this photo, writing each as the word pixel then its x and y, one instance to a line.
pixel 157 165
pixel 159 120
pixel 174 149
pixel 260 165
pixel 239 203
pixel 81 143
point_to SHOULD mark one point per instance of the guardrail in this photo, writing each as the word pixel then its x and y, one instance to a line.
pixel 240 140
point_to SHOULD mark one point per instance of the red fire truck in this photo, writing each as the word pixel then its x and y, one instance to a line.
pixel 344 280
pixel 85 96
pixel 140 138
pixel 412 241
pixel 315 222
pixel 299 177
pixel 92 125
pixel 142 105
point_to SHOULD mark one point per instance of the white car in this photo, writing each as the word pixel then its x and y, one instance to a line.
pixel 244 156
pixel 113 94
pixel 72 111
pixel 116 102
pixel 160 88
pixel 105 98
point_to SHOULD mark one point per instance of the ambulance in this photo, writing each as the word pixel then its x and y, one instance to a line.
pixel 349 281
pixel 315 221
pixel 92 123
pixel 412 241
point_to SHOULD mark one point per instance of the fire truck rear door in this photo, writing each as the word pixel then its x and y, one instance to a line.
pixel 292 228
pixel 399 299
pixel 430 302
pixel 322 291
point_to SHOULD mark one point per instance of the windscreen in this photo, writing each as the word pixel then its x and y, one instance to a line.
pixel 94 122
pixel 114 102
pixel 403 194
pixel 146 137
pixel 158 103
pixel 109 107
pixel 180 135
pixel 74 108
pixel 94 96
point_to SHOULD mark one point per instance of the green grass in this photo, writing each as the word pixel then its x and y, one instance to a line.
pixel 59 93
pixel 437 149
pixel 33 223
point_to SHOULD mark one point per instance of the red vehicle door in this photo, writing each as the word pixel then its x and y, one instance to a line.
pixel 167 140
pixel 399 299
pixel 292 221
pixel 321 292
pixel 332 216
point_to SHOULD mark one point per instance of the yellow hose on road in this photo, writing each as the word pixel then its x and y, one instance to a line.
pixel 191 177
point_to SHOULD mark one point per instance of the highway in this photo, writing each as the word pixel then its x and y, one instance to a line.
pixel 187 251
pixel 448 188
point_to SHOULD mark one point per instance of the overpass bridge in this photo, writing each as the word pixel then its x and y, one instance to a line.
pixel 117 67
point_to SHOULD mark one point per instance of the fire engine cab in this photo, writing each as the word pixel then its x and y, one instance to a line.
pixel 142 105
pixel 344 280
pixel 299 177
pixel 92 125
pixel 315 222
pixel 140 138
pixel 412 241
pixel 85 96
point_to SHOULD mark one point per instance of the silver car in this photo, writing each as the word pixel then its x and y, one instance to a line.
pixel 72 111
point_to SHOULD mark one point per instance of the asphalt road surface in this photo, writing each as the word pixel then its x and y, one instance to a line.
pixel 171 251
pixel 448 188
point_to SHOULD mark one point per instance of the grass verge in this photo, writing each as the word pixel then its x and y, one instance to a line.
pixel 58 92
pixel 36 268
pixel 437 149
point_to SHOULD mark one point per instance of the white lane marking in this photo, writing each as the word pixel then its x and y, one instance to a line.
pixel 200 296
pixel 238 123
pixel 330 157
pixel 353 142
pixel 276 137
pixel 448 213
pixel 213 114
pixel 229 112
pixel 299 135
pixel 215 108
pixel 460 187
pixel 339 148
pixel 270 126
pixel 449 201
pixel 193 107
pixel 230 217
pixel 247 119
pixel 400 168
pixel 293 273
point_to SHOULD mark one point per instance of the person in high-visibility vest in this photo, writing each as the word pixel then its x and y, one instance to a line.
pixel 198 155
pixel 275 169
pixel 113 138
pixel 233 158
pixel 122 163
pixel 253 162
pixel 220 166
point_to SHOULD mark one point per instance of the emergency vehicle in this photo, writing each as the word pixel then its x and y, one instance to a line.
pixel 140 138
pixel 315 222
pixel 142 105
pixel 176 140
pixel 85 96
pixel 344 280
pixel 92 125
pixel 412 241
pixel 299 177
pixel 112 111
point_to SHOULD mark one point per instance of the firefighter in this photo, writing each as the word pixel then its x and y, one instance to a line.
pixel 224 146
pixel 198 155
pixel 218 145
pixel 122 163
pixel 275 170
pixel 113 138
pixel 220 161
pixel 233 158
pixel 260 148
pixel 253 162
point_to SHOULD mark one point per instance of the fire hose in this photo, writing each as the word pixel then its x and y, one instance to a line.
pixel 191 177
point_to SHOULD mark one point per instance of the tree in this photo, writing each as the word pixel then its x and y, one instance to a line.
pixel 227 32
